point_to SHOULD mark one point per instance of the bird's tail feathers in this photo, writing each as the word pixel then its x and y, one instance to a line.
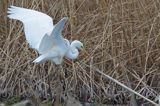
pixel 40 59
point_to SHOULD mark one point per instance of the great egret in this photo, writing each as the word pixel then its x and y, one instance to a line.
pixel 45 37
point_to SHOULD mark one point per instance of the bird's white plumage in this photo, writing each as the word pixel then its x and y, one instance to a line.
pixel 55 37
pixel 36 24
pixel 45 37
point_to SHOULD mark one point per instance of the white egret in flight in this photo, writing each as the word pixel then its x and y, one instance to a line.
pixel 45 37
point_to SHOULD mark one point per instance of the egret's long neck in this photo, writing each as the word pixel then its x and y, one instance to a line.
pixel 72 52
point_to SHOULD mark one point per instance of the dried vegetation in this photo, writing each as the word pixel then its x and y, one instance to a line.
pixel 121 38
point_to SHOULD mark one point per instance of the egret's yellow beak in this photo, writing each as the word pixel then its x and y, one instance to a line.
pixel 82 48
pixel 84 51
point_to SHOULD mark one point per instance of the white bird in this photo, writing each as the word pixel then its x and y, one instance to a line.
pixel 45 37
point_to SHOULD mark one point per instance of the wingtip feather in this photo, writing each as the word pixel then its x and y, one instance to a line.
pixel 65 18
pixel 11 10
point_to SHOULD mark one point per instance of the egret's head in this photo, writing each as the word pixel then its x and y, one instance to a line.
pixel 77 44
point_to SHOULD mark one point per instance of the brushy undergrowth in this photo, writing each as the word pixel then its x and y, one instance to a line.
pixel 121 38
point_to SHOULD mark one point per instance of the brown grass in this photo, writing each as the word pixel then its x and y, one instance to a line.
pixel 121 38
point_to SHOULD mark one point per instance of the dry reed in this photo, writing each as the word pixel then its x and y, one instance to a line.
pixel 121 38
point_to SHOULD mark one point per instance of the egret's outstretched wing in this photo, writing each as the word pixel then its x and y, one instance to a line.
pixel 55 39
pixel 36 24
pixel 57 31
pixel 46 44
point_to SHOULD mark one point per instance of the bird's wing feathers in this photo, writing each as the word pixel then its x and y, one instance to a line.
pixel 57 31
pixel 36 24
pixel 55 39
pixel 46 44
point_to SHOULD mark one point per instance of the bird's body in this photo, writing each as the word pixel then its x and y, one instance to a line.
pixel 45 37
